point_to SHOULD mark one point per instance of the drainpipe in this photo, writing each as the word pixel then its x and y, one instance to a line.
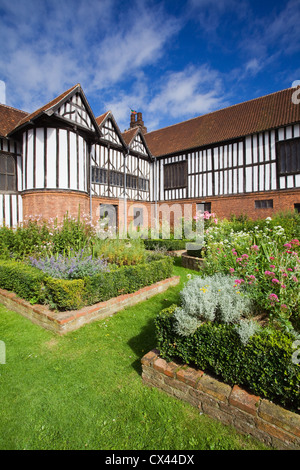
pixel 90 167
pixel 125 197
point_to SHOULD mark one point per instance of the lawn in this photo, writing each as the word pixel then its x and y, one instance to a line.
pixel 84 390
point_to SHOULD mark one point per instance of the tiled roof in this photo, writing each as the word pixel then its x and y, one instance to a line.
pixel 47 106
pixel 9 118
pixel 129 135
pixel 268 112
pixel 101 118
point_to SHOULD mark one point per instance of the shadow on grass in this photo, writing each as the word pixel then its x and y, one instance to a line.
pixel 145 341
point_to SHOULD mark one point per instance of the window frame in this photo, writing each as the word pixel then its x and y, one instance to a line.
pixel 7 174
pixel 263 204
pixel 173 180
pixel 281 146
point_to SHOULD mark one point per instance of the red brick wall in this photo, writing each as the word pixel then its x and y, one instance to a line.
pixel 52 204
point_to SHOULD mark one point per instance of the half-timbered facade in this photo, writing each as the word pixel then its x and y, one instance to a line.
pixel 241 159
pixel 237 160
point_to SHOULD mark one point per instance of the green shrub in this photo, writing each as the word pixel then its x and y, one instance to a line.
pixel 212 298
pixel 126 280
pixel 33 285
pixel 169 245
pixel 25 281
pixel 64 294
pixel 264 365
pixel 118 251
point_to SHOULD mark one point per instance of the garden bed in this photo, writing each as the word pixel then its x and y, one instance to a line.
pixel 63 322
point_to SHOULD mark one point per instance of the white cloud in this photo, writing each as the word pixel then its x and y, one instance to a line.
pixel 51 45
pixel 190 92
pixel 179 95
pixel 2 92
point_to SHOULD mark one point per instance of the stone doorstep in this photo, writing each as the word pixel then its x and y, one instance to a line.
pixel 62 322
pixel 273 421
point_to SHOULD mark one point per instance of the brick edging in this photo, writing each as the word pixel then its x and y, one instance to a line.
pixel 63 322
pixel 248 414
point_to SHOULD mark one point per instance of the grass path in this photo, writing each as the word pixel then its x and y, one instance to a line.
pixel 84 390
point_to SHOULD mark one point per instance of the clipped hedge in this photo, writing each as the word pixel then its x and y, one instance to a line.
pixel 169 245
pixel 64 294
pixel 126 280
pixel 264 366
pixel 33 285
pixel 22 279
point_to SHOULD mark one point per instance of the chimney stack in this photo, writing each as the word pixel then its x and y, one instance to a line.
pixel 137 122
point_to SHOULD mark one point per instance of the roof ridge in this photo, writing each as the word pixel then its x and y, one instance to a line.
pixel 221 109
pixel 15 109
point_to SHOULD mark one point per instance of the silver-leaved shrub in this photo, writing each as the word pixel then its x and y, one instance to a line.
pixel 247 328
pixel 212 298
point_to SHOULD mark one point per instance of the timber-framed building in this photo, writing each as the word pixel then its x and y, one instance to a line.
pixel 243 159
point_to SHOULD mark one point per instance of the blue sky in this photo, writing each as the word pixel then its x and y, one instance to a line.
pixel 172 60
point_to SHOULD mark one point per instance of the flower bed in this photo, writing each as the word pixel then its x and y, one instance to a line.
pixel 264 365
pixel 36 286
pixel 240 317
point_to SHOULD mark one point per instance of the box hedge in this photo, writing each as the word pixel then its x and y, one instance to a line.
pixel 33 285
pixel 264 365
pixel 169 245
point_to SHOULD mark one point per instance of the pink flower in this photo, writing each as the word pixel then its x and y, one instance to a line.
pixel 252 276
pixel 272 266
pixel 231 270
pixel 283 306
pixel 283 286
pixel 287 245
pixel 237 281
pixel 295 279
pixel 254 247
pixel 275 281
pixel 290 269
pixel 269 273
pixel 284 274
pixel 245 256
pixel 272 257
pixel 295 241
pixel 273 297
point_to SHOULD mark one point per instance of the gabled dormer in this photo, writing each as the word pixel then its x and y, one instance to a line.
pixel 69 110
pixel 110 131
pixel 136 143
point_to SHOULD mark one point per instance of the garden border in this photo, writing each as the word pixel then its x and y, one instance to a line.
pixel 64 322
pixel 248 414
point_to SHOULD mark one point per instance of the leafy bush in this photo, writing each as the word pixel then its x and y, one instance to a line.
pixel 126 279
pixel 214 298
pixel 265 261
pixel 63 294
pixel 122 252
pixel 35 286
pixel 25 281
pixel 263 365
pixel 169 245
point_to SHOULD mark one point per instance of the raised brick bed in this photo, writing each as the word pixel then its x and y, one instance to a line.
pixel 63 322
pixel 248 414
pixel 191 262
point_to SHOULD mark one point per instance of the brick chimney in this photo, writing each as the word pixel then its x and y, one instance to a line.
pixel 138 122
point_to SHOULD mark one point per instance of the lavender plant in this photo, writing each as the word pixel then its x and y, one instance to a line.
pixel 74 266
